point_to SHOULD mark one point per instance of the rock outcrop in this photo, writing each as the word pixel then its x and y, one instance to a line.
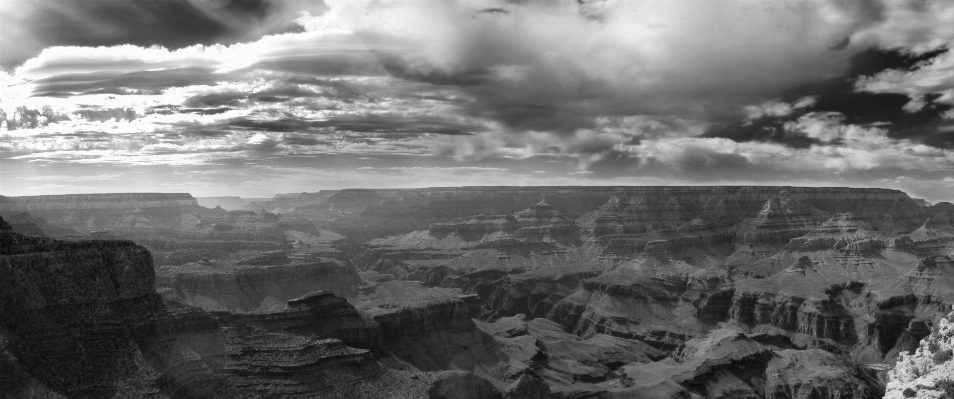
pixel 259 282
pixel 81 319
pixel 928 372
pixel 23 223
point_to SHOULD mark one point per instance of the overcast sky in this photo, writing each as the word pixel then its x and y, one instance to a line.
pixel 254 97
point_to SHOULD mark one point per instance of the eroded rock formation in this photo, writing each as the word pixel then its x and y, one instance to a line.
pixel 82 319
pixel 682 292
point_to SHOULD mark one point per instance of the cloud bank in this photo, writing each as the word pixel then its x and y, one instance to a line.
pixel 851 92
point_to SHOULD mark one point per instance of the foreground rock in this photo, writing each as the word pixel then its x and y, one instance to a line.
pixel 929 371
pixel 81 319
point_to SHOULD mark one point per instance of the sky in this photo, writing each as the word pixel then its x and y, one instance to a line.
pixel 258 97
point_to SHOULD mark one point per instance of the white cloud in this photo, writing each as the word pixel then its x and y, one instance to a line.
pixel 932 77
pixel 777 108
pixel 915 26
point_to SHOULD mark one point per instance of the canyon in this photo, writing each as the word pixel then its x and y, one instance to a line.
pixel 483 292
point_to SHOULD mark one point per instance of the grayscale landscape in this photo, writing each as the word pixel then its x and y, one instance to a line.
pixel 477 199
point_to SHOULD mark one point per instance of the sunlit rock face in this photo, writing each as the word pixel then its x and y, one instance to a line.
pixel 843 231
pixel 928 372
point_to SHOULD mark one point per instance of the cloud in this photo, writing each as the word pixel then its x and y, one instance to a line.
pixel 538 66
pixel 777 108
pixel 931 81
pixel 660 90
pixel 844 98
pixel 31 26
pixel 555 66
pixel 915 26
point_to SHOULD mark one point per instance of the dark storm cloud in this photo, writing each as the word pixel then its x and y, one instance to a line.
pixel 494 10
pixel 370 123
pixel 557 66
pixel 605 90
pixel 198 132
pixel 839 95
pixel 277 91
pixel 122 82
pixel 392 127
pixel 336 64
pixel 30 26
pixel 765 129
pixel 304 140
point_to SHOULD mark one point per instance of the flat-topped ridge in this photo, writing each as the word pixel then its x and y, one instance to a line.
pixel 622 189
pixel 97 201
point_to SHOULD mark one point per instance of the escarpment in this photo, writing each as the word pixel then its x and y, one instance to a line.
pixel 927 371
pixel 82 319
pixel 253 285
pixel 133 213
pixel 96 201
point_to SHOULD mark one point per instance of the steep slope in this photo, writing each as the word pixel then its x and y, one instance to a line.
pixel 928 373
pixel 254 284
pixel 81 319
pixel 132 213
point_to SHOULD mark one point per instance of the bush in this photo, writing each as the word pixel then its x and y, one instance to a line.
pixel 909 393
pixel 943 356
pixel 946 386
pixel 933 346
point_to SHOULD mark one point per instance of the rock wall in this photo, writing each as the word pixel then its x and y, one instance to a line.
pixel 244 288
pixel 929 371
pixel 134 214
pixel 402 211
pixel 82 319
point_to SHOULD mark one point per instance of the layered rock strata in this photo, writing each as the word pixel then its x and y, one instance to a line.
pixel 81 319
pixel 254 284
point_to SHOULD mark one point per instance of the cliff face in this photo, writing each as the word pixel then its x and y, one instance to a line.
pixel 23 223
pixel 928 372
pixel 82 319
pixel 646 208
pixel 244 288
pixel 126 213
pixel 87 305
pixel 834 272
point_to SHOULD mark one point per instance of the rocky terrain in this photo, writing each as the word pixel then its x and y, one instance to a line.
pixel 261 282
pixel 82 319
pixel 928 372
pixel 562 292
